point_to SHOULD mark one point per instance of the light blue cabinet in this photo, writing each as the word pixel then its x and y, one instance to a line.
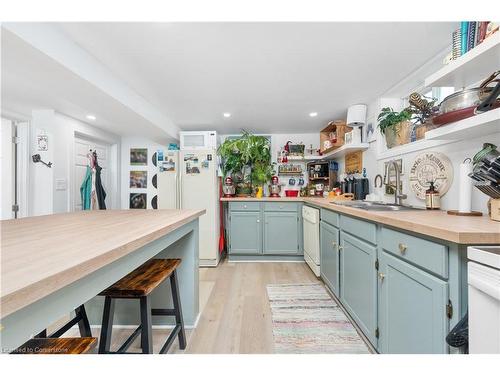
pixel 412 309
pixel 265 229
pixel 281 234
pixel 245 233
pixel 329 245
pixel 358 282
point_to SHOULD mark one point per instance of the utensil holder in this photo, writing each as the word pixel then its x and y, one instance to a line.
pixel 494 209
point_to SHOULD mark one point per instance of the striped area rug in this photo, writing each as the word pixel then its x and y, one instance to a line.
pixel 307 320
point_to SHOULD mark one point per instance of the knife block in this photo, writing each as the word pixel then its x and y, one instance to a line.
pixel 494 208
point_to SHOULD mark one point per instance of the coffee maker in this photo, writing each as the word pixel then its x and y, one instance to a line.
pixel 274 188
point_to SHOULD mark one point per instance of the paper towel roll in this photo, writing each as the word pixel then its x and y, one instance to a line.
pixel 465 188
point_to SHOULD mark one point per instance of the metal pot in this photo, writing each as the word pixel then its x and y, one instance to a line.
pixel 489 103
pixel 468 97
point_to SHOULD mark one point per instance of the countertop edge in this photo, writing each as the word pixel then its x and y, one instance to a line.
pixel 461 238
pixel 40 289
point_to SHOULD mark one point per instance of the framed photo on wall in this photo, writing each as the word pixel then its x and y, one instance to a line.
pixel 138 200
pixel 139 179
pixel 138 156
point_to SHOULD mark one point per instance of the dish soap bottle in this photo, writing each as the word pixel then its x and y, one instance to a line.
pixel 432 201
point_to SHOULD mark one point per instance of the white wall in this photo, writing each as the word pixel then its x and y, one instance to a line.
pixel 61 131
pixel 278 141
pixel 373 160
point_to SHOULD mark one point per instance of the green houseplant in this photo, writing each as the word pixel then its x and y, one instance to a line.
pixel 395 126
pixel 248 160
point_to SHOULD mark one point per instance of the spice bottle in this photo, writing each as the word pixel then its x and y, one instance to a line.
pixel 432 200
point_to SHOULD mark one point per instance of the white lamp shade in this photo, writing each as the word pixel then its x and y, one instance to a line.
pixel 356 115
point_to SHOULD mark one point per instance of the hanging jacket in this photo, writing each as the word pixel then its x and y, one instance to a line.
pixel 101 194
pixel 86 189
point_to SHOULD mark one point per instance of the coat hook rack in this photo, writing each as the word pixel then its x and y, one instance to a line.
pixel 37 159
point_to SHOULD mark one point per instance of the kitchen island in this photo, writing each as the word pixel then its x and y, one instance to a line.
pixel 54 263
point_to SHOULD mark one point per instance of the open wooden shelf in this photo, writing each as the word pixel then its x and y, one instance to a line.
pixel 305 158
pixel 476 126
pixel 472 67
pixel 345 149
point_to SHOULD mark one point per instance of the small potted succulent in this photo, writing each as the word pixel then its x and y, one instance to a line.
pixel 395 126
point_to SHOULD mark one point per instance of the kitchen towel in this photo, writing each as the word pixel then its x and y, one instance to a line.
pixel 465 187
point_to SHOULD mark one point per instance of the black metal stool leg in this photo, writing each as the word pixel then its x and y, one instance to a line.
pixel 107 325
pixel 83 323
pixel 41 335
pixel 146 325
pixel 178 310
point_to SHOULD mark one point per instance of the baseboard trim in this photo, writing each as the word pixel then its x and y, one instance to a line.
pixel 155 326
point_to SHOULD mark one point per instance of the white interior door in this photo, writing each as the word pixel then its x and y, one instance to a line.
pixel 7 170
pixel 82 148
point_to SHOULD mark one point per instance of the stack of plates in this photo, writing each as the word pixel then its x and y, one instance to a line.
pixel 456 49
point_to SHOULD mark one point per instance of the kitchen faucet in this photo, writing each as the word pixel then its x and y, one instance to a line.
pixel 398 189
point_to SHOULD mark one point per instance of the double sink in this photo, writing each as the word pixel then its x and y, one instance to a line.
pixel 376 206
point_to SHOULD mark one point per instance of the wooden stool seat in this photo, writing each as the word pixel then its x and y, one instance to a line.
pixel 61 345
pixel 143 280
pixel 138 285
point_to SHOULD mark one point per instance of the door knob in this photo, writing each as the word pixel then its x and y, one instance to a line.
pixel 402 248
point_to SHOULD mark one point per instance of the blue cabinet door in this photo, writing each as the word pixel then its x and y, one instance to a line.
pixel 281 233
pixel 358 282
pixel 245 233
pixel 412 309
pixel 329 245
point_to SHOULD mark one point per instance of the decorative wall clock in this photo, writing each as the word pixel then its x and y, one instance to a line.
pixel 431 166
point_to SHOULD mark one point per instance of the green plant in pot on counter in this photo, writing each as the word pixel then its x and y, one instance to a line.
pixel 396 126
pixel 246 158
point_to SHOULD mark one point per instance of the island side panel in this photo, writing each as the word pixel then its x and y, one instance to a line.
pixel 21 325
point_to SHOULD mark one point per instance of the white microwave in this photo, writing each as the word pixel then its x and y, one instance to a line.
pixel 205 140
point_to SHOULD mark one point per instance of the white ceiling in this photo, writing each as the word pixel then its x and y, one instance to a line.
pixel 31 81
pixel 269 76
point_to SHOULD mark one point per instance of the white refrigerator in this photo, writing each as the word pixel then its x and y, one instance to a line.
pixel 188 180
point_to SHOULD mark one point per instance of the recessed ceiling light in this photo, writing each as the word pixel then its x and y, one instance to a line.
pixel 313 114
pixel 91 117
pixel 226 114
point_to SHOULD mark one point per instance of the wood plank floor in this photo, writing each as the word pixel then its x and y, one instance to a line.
pixel 235 313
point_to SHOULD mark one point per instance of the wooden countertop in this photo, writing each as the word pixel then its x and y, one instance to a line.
pixel 465 230
pixel 42 254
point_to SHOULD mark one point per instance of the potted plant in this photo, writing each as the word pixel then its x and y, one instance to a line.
pixel 395 126
pixel 248 160
pixel 261 174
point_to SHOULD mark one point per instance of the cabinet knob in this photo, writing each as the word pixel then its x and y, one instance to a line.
pixel 258 221
pixel 402 248
pixel 381 276
pixel 340 248
pixel 244 206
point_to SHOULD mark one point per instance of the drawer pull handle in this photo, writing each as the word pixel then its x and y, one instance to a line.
pixel 402 248
pixel 381 276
